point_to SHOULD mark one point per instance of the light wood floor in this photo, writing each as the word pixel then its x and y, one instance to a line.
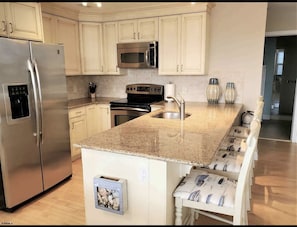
pixel 274 194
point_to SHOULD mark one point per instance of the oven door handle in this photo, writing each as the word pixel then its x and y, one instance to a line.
pixel 130 108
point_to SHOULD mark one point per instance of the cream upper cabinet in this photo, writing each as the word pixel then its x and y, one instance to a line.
pixel 65 31
pixel 138 30
pixel 49 31
pixel 21 20
pixel 183 44
pixel 91 48
pixel 110 40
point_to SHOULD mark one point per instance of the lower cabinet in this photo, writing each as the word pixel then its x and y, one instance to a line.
pixel 78 129
pixel 104 116
pixel 86 121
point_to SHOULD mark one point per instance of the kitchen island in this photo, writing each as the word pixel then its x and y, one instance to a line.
pixel 152 155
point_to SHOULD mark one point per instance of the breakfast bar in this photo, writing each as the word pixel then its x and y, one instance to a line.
pixel 150 155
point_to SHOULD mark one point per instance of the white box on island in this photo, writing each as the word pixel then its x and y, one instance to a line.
pixel 110 194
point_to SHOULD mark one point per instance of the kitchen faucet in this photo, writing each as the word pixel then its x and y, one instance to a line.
pixel 181 106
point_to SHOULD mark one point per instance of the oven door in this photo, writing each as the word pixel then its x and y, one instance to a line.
pixel 120 115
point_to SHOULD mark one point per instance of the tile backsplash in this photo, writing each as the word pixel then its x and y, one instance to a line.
pixel 191 88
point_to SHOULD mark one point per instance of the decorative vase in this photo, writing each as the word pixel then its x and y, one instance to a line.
pixel 230 93
pixel 213 91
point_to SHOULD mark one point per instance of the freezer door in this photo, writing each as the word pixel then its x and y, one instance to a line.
pixel 19 155
pixel 55 139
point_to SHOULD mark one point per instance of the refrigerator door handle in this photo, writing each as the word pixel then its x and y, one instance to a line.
pixel 40 96
pixel 37 134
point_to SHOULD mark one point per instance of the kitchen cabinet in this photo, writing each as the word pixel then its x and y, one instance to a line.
pixel 183 44
pixel 104 117
pixel 145 29
pixel 93 119
pixel 65 31
pixel 21 20
pixel 98 118
pixel 91 42
pixel 78 129
pixel 86 121
pixel 110 40
pixel 98 48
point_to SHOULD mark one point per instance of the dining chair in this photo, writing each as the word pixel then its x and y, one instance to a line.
pixel 212 194
pixel 228 162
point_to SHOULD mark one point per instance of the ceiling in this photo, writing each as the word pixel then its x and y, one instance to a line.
pixel 112 7
pixel 116 7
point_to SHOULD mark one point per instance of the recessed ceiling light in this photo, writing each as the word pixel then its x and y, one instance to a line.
pixel 84 3
pixel 99 4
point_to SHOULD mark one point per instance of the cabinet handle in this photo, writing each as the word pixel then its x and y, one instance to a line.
pixel 11 31
pixel 133 35
pixel 138 35
pixel 4 26
pixel 176 68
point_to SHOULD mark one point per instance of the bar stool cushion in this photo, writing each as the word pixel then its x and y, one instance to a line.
pixel 201 186
pixel 239 131
pixel 228 161
pixel 231 143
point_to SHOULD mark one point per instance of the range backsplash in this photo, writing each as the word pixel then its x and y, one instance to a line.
pixel 192 88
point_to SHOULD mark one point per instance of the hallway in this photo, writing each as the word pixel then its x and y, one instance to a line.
pixel 276 129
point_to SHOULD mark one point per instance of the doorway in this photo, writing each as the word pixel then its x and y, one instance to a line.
pixel 280 54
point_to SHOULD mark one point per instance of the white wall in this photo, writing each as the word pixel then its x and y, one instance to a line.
pixel 237 32
pixel 282 17
pixel 237 47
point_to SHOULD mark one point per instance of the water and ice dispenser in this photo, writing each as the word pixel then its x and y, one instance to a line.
pixel 19 104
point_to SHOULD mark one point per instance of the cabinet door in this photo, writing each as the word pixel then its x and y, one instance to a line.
pixel 24 20
pixel 67 33
pixel 110 40
pixel 49 28
pixel 193 43
pixel 3 26
pixel 169 45
pixel 93 119
pixel 127 31
pixel 104 115
pixel 147 29
pixel 78 131
pixel 91 48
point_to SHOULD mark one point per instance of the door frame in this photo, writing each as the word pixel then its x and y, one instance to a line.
pixel 294 115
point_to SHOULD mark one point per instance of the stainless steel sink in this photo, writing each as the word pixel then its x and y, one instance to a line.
pixel 170 115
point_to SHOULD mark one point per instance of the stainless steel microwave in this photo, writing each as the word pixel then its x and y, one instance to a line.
pixel 137 55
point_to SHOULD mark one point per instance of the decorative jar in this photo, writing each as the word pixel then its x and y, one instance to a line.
pixel 230 93
pixel 213 91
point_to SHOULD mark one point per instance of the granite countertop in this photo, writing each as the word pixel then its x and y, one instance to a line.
pixel 74 103
pixel 193 141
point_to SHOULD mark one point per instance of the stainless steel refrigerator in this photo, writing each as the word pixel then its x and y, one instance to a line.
pixel 34 130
